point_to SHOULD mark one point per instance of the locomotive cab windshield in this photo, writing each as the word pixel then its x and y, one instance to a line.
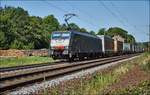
pixel 61 35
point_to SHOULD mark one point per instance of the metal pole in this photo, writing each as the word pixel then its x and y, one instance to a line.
pixel 149 30
pixel 149 40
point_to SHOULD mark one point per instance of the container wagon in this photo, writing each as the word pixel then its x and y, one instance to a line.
pixel 107 45
pixel 132 48
pixel 126 48
pixel 118 47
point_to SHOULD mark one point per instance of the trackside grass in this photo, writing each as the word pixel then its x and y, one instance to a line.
pixel 93 85
pixel 102 82
pixel 146 62
pixel 142 88
pixel 17 61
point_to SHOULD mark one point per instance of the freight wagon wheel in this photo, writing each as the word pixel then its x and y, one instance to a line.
pixel 54 58
pixel 71 59
pixel 81 58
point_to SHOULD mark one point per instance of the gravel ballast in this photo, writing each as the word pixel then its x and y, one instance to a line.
pixel 28 90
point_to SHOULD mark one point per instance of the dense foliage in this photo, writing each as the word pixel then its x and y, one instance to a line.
pixel 117 31
pixel 19 30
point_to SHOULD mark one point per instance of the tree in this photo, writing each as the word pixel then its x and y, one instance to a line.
pixel 21 31
pixel 92 32
pixel 13 25
pixel 145 45
pixel 123 33
pixel 2 40
pixel 114 31
pixel 36 35
pixel 73 26
pixel 50 24
pixel 102 31
pixel 117 31
pixel 63 27
pixel 130 39
pixel 83 30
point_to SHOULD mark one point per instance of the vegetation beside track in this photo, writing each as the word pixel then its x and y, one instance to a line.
pixel 19 30
pixel 143 88
pixel 18 61
pixel 136 81
pixel 146 63
pixel 112 81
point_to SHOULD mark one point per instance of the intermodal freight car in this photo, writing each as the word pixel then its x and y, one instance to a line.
pixel 72 44
pixel 107 45
pixel 126 48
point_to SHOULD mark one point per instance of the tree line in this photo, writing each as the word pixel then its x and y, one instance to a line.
pixel 19 30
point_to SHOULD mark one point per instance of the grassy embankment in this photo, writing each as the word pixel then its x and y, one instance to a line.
pixel 112 81
pixel 143 85
pixel 17 61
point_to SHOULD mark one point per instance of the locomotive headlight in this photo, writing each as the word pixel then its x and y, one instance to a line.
pixel 65 52
pixel 66 47
pixel 52 47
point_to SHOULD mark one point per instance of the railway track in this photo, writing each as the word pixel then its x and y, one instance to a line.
pixel 7 69
pixel 12 81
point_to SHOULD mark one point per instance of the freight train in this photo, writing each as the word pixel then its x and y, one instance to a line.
pixel 73 44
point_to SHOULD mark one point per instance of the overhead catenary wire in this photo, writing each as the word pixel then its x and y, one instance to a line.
pixel 54 6
pixel 123 17
pixel 84 13
pixel 116 9
pixel 111 12
pixel 90 16
pixel 117 17
pixel 127 21
pixel 86 21
pixel 65 11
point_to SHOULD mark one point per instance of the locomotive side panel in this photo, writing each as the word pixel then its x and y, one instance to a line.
pixel 84 44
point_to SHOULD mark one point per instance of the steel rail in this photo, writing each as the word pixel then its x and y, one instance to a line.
pixel 45 69
pixel 8 83
pixel 7 69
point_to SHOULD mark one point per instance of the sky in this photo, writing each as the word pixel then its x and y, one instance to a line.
pixel 131 15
